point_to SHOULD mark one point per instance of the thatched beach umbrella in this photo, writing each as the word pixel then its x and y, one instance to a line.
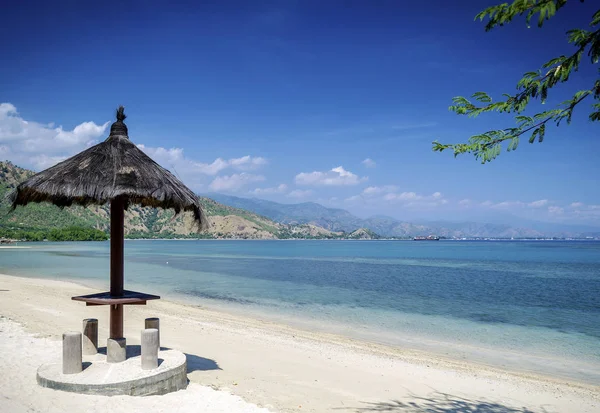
pixel 117 172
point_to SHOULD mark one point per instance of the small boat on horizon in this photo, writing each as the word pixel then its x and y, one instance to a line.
pixel 426 238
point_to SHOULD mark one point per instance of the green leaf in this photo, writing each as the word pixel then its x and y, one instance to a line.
pixel 595 19
pixel 544 94
pixel 460 100
pixel 595 115
pixel 482 97
pixel 578 36
pixel 553 62
pixel 533 135
pixel 523 120
pixel 580 95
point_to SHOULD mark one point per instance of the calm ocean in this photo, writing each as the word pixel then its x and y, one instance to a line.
pixel 531 306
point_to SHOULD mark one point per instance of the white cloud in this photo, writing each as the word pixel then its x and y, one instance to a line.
pixel 369 163
pixel 280 189
pixel 390 194
pixel 192 172
pixel 45 161
pixel 582 212
pixel 247 162
pixel 414 200
pixel 544 208
pixel 377 190
pixel 554 210
pixel 7 109
pixel 174 157
pixel 538 204
pixel 232 183
pixel 465 202
pixel 36 145
pixel 299 193
pixel 163 155
pixel 335 177
pixel 506 205
pixel 411 197
pixel 403 196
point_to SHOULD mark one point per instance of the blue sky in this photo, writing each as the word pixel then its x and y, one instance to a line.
pixel 285 100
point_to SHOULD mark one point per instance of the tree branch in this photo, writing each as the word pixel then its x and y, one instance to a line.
pixel 533 85
pixel 486 145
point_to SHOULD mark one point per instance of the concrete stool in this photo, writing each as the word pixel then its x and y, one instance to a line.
pixel 90 336
pixel 149 348
pixel 116 350
pixel 153 322
pixel 71 360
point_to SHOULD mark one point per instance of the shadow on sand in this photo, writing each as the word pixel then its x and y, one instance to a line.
pixel 438 402
pixel 194 363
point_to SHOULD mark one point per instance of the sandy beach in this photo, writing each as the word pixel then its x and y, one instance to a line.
pixel 239 364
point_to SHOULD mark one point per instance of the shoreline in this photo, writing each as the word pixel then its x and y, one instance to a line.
pixel 282 367
pixel 302 327
pixel 419 348
pixel 520 362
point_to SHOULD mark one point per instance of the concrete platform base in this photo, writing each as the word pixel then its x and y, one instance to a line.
pixel 126 378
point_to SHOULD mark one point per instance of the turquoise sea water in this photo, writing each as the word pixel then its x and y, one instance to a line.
pixel 532 306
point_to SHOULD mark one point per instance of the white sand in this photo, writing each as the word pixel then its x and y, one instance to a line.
pixel 270 365
pixel 20 392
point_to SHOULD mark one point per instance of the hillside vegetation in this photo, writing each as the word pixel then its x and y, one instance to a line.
pixel 37 221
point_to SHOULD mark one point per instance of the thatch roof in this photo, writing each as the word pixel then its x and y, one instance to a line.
pixel 115 168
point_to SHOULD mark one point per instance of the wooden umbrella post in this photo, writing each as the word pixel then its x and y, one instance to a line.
pixel 117 215
pixel 117 297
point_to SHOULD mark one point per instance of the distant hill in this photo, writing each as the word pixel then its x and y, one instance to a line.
pixel 332 219
pixel 363 233
pixel 224 221
pixel 335 219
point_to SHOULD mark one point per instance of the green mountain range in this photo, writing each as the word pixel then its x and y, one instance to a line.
pixel 37 221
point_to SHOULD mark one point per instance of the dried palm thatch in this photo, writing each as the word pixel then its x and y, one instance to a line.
pixel 113 169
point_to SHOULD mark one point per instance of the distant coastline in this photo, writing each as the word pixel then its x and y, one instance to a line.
pixel 319 239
